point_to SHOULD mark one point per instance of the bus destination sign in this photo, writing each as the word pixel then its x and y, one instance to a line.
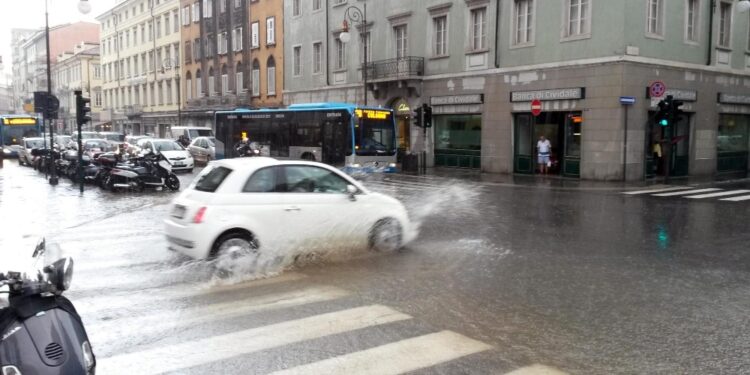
pixel 19 121
pixel 372 114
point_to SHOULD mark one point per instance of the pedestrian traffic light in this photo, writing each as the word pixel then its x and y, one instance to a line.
pixel 418 117
pixel 82 109
pixel 427 111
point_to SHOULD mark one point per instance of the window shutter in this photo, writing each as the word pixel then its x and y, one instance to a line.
pixel 270 37
pixel 255 37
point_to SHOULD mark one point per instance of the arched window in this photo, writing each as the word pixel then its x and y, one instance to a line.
pixel 271 76
pixel 224 79
pixel 198 83
pixel 256 78
pixel 239 76
pixel 211 82
pixel 188 85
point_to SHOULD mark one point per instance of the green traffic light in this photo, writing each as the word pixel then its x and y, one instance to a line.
pixel 664 122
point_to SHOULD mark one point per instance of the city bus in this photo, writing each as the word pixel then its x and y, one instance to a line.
pixel 13 128
pixel 338 134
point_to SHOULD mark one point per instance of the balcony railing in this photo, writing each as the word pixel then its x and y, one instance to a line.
pixel 396 68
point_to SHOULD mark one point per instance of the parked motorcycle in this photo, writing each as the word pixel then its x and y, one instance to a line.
pixel 151 170
pixel 40 330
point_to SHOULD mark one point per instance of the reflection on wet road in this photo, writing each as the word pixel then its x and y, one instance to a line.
pixel 501 279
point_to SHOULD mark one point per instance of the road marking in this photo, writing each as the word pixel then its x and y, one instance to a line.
pixel 663 190
pixel 150 296
pixel 685 192
pixel 378 185
pixel 397 357
pixel 537 370
pixel 719 194
pixel 211 349
pixel 116 329
pixel 737 199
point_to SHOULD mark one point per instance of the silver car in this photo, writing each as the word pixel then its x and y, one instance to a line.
pixel 24 155
pixel 203 149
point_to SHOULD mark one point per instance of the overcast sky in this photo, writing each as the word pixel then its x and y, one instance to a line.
pixel 30 14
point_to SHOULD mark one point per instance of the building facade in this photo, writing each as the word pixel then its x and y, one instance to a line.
pixel 140 57
pixel 480 66
pixel 78 69
pixel 19 79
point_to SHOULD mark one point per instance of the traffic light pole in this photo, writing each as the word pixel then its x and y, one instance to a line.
pixel 424 143
pixel 50 162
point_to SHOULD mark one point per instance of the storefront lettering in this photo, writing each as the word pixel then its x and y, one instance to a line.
pixel 679 94
pixel 558 94
pixel 733 99
pixel 457 99
pixel 461 108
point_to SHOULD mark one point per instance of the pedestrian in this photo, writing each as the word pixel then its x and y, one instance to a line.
pixel 543 147
pixel 657 154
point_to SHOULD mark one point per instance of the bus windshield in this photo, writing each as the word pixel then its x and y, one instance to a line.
pixel 375 136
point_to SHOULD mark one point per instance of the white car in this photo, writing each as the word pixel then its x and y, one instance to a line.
pixel 257 205
pixel 179 158
pixel 24 156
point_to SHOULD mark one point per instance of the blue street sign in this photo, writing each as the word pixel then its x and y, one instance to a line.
pixel 627 100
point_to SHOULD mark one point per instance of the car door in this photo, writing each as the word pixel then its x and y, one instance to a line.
pixel 324 213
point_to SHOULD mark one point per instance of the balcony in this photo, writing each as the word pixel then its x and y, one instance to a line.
pixel 408 67
pixel 133 110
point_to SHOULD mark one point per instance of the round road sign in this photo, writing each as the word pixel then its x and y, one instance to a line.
pixel 657 89
pixel 536 107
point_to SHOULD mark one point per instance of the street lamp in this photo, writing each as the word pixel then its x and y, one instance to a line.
pixel 357 16
pixel 84 6
pixel 743 6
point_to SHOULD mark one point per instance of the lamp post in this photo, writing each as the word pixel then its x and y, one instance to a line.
pixel 83 7
pixel 357 16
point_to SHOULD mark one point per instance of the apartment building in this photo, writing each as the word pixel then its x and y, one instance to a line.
pixel 480 64
pixel 140 57
pixel 78 69
pixel 18 80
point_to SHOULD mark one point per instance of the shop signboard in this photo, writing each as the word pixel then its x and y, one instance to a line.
pixel 554 94
pixel 725 98
pixel 679 94
pixel 457 99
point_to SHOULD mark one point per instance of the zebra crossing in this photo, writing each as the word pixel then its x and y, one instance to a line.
pixel 693 193
pixel 406 184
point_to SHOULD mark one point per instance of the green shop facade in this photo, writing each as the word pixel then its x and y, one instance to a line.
pixel 457 130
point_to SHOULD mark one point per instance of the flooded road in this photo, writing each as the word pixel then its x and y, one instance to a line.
pixel 500 279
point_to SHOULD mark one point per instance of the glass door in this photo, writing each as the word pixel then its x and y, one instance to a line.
pixel 523 153
pixel 572 158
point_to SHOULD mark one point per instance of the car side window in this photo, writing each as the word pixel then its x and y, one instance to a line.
pixel 262 181
pixel 309 179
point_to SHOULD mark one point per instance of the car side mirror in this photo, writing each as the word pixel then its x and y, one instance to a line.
pixel 352 191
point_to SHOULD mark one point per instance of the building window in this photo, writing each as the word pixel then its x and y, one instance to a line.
pixel 208 8
pixel 175 22
pixel 97 71
pixel 578 18
pixel 196 50
pixel 223 6
pixel 295 7
pixel 256 78
pixel 439 34
pixel 297 61
pixel 224 80
pixel 271 76
pixel 167 29
pixel 340 54
pixel 211 82
pixel 150 31
pixel 98 99
pixel 270 31
pixel 401 41
pixel 198 83
pixel 143 33
pixel 478 29
pixel 188 52
pixel 692 11
pixel 237 39
pixel 160 89
pixel 523 22
pixel 188 86
pixel 196 12
pixel 240 78
pixel 725 24
pixel 255 37
pixel 366 42
pixel 653 20
pixel 237 3
pixel 317 57
pixel 169 91
pixel 185 16
pixel 222 43
pixel 158 28
pixel 316 5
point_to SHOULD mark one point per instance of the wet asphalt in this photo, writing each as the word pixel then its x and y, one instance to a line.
pixel 582 281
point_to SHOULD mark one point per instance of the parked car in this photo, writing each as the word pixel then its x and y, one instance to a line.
pixel 117 140
pixel 84 135
pixel 203 149
pixel 11 151
pixel 246 206
pixel 132 140
pixel 190 132
pixel 24 155
pixel 178 156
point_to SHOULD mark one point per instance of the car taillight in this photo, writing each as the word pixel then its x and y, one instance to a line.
pixel 198 218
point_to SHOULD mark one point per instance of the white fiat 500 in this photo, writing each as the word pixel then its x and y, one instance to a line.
pixel 256 205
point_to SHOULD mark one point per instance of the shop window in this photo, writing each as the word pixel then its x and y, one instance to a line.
pixel 733 133
pixel 458 132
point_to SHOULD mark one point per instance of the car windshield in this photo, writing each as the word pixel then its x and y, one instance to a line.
pixel 167 146
pixel 211 179
pixel 34 143
pixel 112 137
pixel 200 133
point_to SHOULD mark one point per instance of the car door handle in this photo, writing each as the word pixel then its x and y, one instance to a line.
pixel 292 208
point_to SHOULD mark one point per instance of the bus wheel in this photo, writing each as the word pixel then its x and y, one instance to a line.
pixel 308 156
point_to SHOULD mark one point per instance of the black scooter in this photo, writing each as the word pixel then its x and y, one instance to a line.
pixel 40 330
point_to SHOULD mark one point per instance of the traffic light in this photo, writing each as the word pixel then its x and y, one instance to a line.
pixel 427 111
pixel 663 117
pixel 675 111
pixel 418 117
pixel 82 109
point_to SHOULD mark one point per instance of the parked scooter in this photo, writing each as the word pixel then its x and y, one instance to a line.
pixel 151 170
pixel 40 330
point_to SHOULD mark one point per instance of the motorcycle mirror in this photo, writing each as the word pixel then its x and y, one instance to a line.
pixel 40 247
pixel 60 273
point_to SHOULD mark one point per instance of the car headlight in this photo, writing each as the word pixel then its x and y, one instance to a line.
pixel 392 165
pixel 356 165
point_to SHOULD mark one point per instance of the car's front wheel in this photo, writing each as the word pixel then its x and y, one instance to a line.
pixel 235 252
pixel 386 235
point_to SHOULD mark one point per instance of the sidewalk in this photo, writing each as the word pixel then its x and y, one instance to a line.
pixel 566 183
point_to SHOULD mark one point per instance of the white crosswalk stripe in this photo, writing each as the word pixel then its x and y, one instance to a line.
pixel 660 190
pixel 193 353
pixel 737 199
pixel 685 192
pixel 719 194
pixel 397 357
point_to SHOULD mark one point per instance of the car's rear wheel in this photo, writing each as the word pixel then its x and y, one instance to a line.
pixel 234 252
pixel 386 235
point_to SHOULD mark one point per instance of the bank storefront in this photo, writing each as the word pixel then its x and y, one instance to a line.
pixel 457 124
pixel 733 134
pixel 560 122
